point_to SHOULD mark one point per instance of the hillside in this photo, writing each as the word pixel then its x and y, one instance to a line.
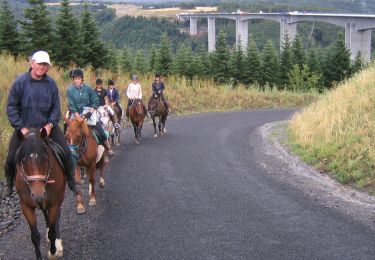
pixel 337 133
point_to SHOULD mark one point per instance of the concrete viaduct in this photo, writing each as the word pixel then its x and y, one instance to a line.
pixel 357 27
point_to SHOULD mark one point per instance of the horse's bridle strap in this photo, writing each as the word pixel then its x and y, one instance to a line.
pixel 31 178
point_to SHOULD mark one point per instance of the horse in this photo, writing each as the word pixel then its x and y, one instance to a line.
pixel 137 116
pixel 40 183
pixel 89 156
pixel 119 117
pixel 157 108
pixel 108 119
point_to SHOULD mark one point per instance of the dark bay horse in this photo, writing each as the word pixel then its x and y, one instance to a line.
pixel 137 116
pixel 156 108
pixel 89 156
pixel 119 116
pixel 40 183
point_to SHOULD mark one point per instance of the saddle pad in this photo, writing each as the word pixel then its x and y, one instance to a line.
pixel 100 153
pixel 96 134
pixel 58 152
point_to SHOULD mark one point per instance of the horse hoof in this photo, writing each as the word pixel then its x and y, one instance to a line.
pixel 136 141
pixel 101 183
pixel 118 144
pixel 92 202
pixel 155 135
pixel 59 247
pixel 164 130
pixel 81 210
pixel 51 256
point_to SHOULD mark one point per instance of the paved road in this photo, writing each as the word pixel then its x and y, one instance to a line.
pixel 199 193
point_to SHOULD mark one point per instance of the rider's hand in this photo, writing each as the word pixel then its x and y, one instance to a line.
pixel 24 130
pixel 48 129
pixel 159 91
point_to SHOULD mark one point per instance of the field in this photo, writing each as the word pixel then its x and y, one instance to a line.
pixel 135 10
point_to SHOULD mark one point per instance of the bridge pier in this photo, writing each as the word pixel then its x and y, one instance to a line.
pixel 242 33
pixel 193 26
pixel 211 34
pixel 287 28
pixel 358 41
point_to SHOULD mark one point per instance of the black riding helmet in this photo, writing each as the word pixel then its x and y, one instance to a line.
pixel 76 73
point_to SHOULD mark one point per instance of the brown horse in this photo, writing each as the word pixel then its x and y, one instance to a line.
pixel 84 147
pixel 40 183
pixel 118 117
pixel 157 108
pixel 137 116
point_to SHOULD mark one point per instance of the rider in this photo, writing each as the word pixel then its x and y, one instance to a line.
pixel 102 93
pixel 113 95
pixel 34 102
pixel 81 96
pixel 134 91
pixel 158 88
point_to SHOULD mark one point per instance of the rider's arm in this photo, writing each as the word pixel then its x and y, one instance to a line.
pixel 55 114
pixel 94 99
pixel 139 91
pixel 72 106
pixel 14 105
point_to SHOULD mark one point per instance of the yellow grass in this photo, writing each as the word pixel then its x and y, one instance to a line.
pixel 183 95
pixel 337 133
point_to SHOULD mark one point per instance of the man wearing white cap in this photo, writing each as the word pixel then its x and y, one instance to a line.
pixel 34 102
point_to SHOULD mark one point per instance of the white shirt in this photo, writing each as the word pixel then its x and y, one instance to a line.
pixel 134 91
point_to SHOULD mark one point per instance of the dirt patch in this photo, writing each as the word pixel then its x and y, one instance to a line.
pixel 277 159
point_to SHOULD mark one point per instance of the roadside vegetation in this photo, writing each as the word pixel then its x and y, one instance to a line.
pixel 337 133
pixel 184 95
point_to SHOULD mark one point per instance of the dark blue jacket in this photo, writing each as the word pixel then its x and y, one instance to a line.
pixel 33 103
pixel 114 97
pixel 156 86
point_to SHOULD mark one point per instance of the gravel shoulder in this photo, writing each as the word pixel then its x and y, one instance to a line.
pixel 275 156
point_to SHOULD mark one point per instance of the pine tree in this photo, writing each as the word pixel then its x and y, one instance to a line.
pixel 9 36
pixel 221 59
pixel 237 65
pixel 37 28
pixel 338 63
pixel 67 45
pixel 95 53
pixel 183 61
pixel 302 80
pixel 299 56
pixel 152 59
pixel 126 60
pixel 139 63
pixel 253 64
pixel 286 62
pixel 270 63
pixel 196 66
pixel 204 60
pixel 313 61
pixel 164 57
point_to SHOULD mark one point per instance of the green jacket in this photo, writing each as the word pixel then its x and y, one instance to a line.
pixel 80 97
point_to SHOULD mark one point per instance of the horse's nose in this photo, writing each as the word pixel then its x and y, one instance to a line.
pixel 38 198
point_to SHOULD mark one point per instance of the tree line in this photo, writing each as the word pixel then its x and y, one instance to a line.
pixel 77 41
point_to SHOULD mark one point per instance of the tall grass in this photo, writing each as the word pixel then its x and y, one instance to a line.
pixel 337 133
pixel 184 96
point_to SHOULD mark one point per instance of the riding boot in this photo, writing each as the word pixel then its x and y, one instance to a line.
pixel 8 187
pixel 70 179
pixel 107 147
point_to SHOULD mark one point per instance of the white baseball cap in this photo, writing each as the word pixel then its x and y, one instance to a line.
pixel 41 57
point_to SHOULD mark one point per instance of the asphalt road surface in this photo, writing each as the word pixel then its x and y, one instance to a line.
pixel 199 192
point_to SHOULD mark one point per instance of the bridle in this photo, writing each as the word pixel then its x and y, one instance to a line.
pixel 77 150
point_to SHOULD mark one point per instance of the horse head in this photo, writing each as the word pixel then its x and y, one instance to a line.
pixel 137 107
pixel 33 164
pixel 76 132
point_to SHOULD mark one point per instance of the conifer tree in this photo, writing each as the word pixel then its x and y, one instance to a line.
pixel 68 49
pixel 313 61
pixel 183 61
pixel 37 28
pixel 204 61
pixel 253 73
pixel 221 59
pixel 358 64
pixel 196 66
pixel 9 36
pixel 286 62
pixel 139 63
pixel 270 63
pixel 95 53
pixel 302 80
pixel 152 59
pixel 164 57
pixel 298 51
pixel 126 60
pixel 237 65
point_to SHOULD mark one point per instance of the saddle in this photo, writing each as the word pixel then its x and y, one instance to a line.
pixel 58 152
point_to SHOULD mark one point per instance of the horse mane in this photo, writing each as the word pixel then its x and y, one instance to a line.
pixel 32 144
pixel 85 128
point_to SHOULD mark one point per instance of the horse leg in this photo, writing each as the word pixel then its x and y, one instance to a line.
pixel 117 132
pixel 80 207
pixel 56 248
pixel 164 119
pixel 91 172
pixel 101 182
pixel 159 125
pixel 35 236
pixel 154 124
